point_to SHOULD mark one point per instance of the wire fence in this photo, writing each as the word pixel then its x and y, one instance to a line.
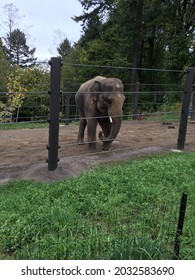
pixel 151 113
pixel 34 104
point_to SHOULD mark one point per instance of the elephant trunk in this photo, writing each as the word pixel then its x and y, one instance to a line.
pixel 115 127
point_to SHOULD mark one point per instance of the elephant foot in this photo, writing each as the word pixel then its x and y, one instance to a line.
pixel 80 141
pixel 92 147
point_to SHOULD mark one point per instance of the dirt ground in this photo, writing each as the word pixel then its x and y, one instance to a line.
pixel 23 152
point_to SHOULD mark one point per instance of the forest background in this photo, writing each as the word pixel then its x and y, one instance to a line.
pixel 119 36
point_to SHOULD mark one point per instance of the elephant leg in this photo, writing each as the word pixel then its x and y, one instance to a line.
pixel 82 126
pixel 106 127
pixel 91 132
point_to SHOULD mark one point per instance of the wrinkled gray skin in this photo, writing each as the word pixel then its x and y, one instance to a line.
pixel 100 100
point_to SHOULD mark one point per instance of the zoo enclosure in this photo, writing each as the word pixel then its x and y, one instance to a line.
pixel 150 102
pixel 55 96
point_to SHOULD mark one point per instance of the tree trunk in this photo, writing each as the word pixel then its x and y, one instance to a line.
pixel 136 50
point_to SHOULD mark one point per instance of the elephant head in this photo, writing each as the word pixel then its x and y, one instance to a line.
pixel 109 98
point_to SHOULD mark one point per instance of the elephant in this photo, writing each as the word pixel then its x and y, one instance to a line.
pixel 100 100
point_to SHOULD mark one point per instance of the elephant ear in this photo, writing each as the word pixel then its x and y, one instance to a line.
pixel 95 89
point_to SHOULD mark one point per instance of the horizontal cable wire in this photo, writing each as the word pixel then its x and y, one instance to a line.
pixel 124 115
pixel 131 148
pixel 125 68
pixel 38 93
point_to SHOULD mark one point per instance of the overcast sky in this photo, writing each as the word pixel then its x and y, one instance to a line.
pixel 46 22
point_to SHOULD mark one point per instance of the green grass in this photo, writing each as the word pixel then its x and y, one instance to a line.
pixel 164 117
pixel 158 117
pixel 20 125
pixel 122 211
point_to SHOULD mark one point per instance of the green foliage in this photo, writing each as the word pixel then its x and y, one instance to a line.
pixel 16 92
pixel 2 111
pixel 123 211
pixel 111 38
pixel 36 82
pixel 4 68
pixel 26 94
pixel 166 34
pixel 17 49
pixel 64 48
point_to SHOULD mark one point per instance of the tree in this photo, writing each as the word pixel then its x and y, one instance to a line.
pixel 11 17
pixel 10 20
pixel 4 72
pixel 15 40
pixel 95 14
pixel 16 93
pixel 136 46
pixel 18 50
pixel 153 33
pixel 26 93
pixel 150 34
pixel 64 48
pixel 179 33
pixel 4 67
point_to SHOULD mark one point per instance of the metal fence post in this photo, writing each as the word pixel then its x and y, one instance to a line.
pixel 182 211
pixel 135 99
pixel 67 110
pixel 54 91
pixel 185 108
pixel 193 108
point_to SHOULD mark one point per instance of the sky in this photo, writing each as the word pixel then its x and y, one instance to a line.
pixel 46 23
